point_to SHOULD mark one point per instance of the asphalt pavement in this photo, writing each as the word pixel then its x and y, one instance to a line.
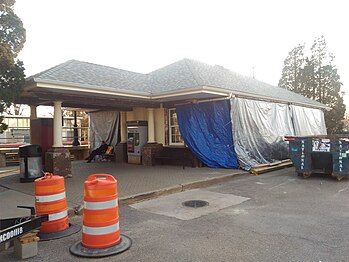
pixel 286 218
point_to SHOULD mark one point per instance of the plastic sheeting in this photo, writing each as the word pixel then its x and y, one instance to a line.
pixel 104 125
pixel 308 121
pixel 206 129
pixel 258 131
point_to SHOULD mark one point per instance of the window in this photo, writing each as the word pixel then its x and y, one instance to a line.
pixel 175 135
pixel 23 122
pixel 12 122
pixel 136 139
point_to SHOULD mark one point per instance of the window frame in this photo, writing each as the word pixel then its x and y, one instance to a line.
pixel 170 130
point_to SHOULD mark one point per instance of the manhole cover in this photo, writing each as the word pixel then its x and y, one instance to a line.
pixel 195 203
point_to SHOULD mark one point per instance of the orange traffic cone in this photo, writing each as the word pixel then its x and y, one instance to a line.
pixel 50 199
pixel 101 231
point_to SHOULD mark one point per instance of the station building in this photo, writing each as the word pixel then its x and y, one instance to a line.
pixel 187 111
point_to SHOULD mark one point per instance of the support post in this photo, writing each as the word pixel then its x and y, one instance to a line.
pixel 151 126
pixel 33 112
pixel 76 131
pixel 57 159
pixel 57 124
pixel 33 116
pixel 152 147
pixel 123 127
pixel 121 148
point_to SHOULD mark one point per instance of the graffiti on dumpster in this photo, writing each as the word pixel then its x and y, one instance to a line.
pixel 321 145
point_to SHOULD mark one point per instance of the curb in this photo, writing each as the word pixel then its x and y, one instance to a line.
pixel 129 200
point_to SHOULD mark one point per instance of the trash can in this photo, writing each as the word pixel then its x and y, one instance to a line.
pixel 30 163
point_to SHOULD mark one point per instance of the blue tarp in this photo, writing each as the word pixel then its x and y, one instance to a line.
pixel 206 129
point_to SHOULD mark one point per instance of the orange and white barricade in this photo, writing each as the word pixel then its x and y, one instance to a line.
pixel 101 230
pixel 50 199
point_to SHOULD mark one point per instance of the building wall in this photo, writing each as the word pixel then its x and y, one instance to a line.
pixel 138 114
pixel 141 114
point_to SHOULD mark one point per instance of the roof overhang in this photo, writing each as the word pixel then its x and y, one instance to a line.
pixel 248 95
pixel 200 92
pixel 75 95
pixel 65 86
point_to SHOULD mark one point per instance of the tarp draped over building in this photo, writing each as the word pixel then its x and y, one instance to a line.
pixel 308 121
pixel 258 131
pixel 229 133
pixel 206 130
pixel 104 125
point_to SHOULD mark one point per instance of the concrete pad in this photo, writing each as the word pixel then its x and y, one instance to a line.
pixel 172 205
pixel 10 199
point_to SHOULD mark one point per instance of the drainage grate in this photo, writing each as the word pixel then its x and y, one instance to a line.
pixel 195 203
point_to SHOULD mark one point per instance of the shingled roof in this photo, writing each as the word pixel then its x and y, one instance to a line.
pixel 93 75
pixel 181 75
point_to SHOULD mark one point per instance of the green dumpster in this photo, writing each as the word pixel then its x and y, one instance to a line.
pixel 320 154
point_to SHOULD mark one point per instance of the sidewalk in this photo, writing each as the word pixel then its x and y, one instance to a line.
pixel 135 182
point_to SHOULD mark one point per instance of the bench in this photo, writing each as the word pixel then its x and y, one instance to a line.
pixel 12 158
pixel 109 155
pixel 8 155
pixel 177 156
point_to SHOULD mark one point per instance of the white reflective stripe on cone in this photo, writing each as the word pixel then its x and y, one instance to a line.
pixel 101 205
pixel 56 216
pixel 100 230
pixel 50 198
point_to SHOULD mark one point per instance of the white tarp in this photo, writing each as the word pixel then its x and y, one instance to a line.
pixel 308 121
pixel 104 125
pixel 258 131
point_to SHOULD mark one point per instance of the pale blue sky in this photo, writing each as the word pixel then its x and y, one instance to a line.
pixel 143 35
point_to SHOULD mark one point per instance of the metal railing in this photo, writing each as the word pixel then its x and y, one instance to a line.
pixel 68 135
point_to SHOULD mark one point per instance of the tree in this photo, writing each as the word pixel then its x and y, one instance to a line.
pixel 346 123
pixel 291 73
pixel 330 94
pixel 316 78
pixel 16 109
pixel 308 79
pixel 12 38
pixel 320 58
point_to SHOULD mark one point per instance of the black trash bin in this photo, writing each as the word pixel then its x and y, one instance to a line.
pixel 30 163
